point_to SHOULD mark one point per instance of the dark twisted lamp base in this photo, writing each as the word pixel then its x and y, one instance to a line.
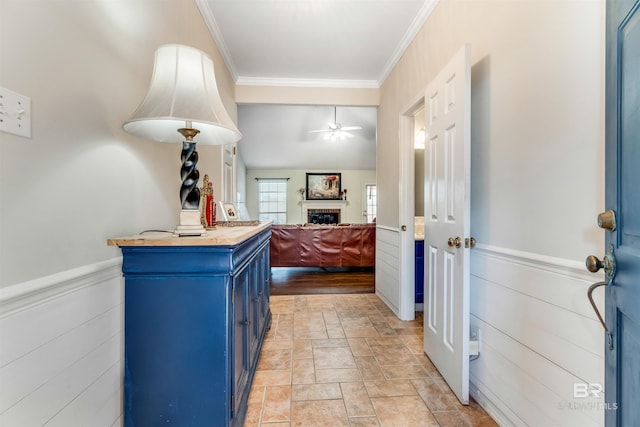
pixel 190 224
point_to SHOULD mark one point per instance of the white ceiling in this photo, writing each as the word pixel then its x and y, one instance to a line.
pixel 326 43
pixel 277 137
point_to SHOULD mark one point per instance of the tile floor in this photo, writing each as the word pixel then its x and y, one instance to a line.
pixel 346 360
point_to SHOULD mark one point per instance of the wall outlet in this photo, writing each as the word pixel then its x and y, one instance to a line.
pixel 15 113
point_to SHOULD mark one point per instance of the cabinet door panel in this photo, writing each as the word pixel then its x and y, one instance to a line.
pixel 240 336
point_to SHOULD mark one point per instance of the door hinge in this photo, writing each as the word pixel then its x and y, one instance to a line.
pixel 234 150
pixel 233 293
pixel 233 400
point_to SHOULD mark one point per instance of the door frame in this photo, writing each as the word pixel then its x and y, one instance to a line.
pixel 406 205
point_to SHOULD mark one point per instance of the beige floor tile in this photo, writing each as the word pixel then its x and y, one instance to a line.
pixel 386 331
pixel 302 349
pixel 315 392
pixel 396 323
pixel 450 419
pixel 303 372
pixel 274 344
pixel 331 318
pixel 307 334
pixel 356 323
pixel 369 368
pixel 433 396
pixel 395 341
pixel 256 396
pixel 392 372
pixel 403 411
pixel 252 418
pixel 285 319
pixel 409 331
pixel 337 375
pixel 356 400
pixel 271 378
pixel 277 404
pixel 347 360
pixel 359 347
pixel 335 342
pixel 473 413
pixel 279 306
pixel 428 366
pixel 333 357
pixel 319 413
pixel 336 332
pixel 284 332
pixel 414 343
pixel 394 355
pixel 274 360
pixel 389 388
pixel 364 422
pixel 361 332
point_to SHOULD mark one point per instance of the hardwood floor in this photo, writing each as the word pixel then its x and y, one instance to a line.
pixel 313 280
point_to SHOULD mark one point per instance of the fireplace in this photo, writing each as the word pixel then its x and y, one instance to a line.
pixel 324 211
pixel 323 216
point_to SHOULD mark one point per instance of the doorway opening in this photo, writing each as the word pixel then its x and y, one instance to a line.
pixel 411 135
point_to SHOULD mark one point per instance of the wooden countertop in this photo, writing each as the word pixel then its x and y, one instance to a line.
pixel 220 236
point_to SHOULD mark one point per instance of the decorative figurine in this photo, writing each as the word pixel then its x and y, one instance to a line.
pixel 208 205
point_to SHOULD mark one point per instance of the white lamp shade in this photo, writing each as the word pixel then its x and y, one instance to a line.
pixel 183 94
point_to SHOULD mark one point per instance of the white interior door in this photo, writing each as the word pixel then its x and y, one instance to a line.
pixel 228 159
pixel 446 220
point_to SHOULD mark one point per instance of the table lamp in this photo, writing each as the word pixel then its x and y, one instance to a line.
pixel 182 102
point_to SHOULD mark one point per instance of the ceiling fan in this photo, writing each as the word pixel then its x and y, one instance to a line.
pixel 336 130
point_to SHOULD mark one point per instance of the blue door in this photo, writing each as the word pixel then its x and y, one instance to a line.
pixel 622 265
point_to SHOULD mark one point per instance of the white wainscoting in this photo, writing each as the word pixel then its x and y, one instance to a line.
pixel 538 337
pixel 61 351
pixel 388 267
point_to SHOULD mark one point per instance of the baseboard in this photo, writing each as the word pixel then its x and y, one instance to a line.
pixel 486 402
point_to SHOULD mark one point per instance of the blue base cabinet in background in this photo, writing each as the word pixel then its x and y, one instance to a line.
pixel 195 320
pixel 419 271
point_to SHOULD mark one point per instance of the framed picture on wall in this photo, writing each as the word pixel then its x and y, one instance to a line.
pixel 229 212
pixel 324 186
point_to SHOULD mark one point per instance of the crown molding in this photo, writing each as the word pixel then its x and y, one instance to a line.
pixel 293 82
pixel 212 25
pixel 418 22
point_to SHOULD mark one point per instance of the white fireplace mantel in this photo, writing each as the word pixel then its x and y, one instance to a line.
pixel 324 204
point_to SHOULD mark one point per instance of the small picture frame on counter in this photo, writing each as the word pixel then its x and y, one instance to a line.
pixel 229 212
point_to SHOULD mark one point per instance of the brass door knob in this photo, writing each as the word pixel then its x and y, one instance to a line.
pixel 593 264
pixel 457 242
pixel 607 220
pixel 608 263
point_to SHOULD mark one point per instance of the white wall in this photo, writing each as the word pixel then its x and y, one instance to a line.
pixel 353 180
pixel 86 65
pixel 537 186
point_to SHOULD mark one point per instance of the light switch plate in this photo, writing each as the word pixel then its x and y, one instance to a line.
pixel 15 113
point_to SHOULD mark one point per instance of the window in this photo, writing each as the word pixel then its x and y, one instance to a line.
pixel 272 200
pixel 370 202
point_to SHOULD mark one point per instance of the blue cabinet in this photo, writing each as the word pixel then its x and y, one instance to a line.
pixel 195 320
pixel 419 271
